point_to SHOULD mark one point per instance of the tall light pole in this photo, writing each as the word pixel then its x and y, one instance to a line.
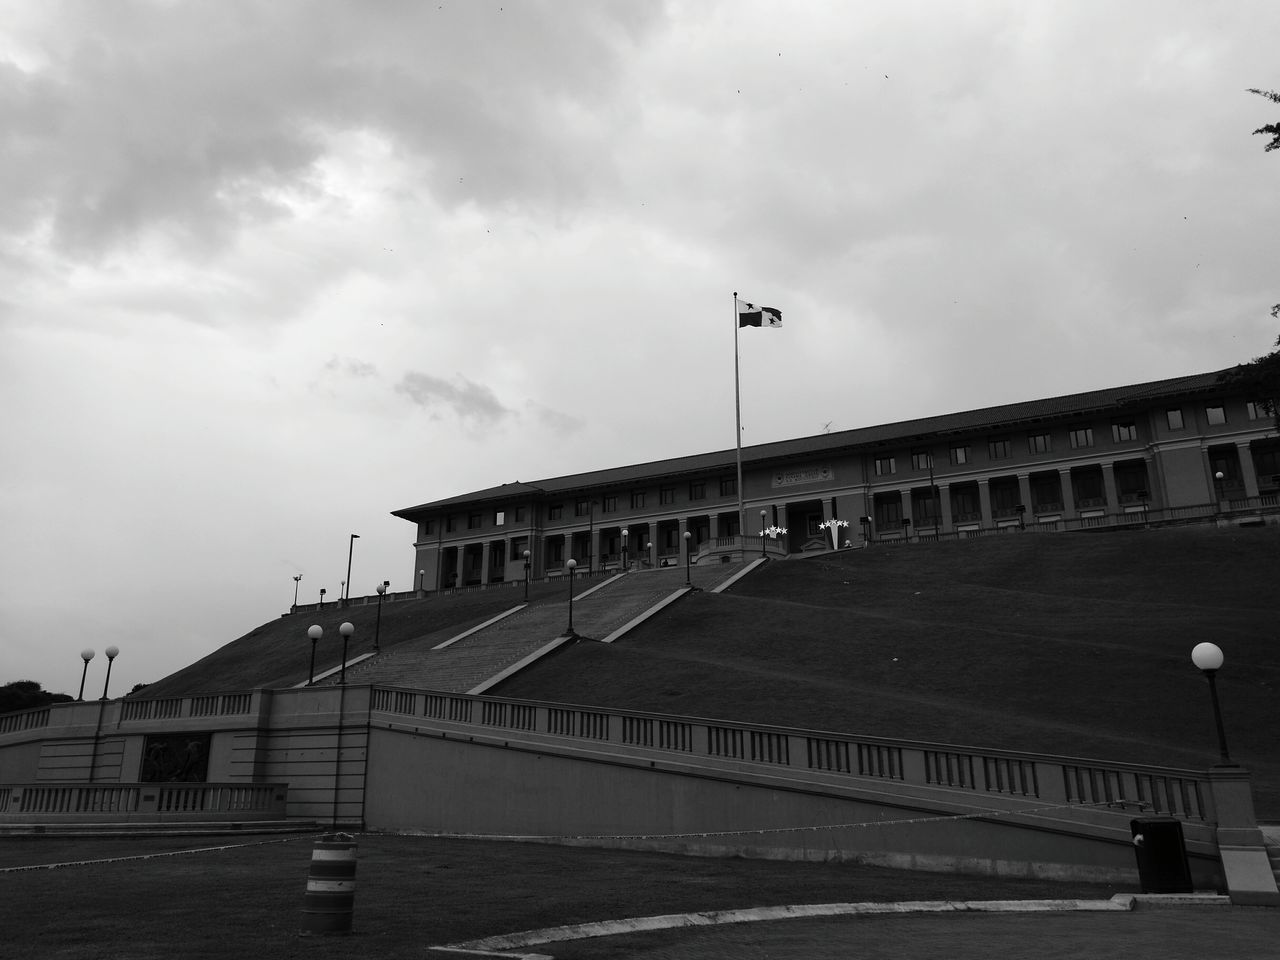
pixel 346 630
pixel 591 533
pixel 688 558
pixel 86 655
pixel 763 514
pixel 572 565
pixel 112 652
pixel 315 632
pixel 1208 657
pixel 377 630
pixel 322 598
pixel 626 557
pixel 526 574
pixel 421 575
pixel 351 546
pixel 296 583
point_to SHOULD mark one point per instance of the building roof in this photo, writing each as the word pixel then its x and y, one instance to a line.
pixel 882 435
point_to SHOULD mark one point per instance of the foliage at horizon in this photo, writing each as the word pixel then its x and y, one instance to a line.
pixel 27 695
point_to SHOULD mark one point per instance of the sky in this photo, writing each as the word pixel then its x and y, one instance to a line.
pixel 271 270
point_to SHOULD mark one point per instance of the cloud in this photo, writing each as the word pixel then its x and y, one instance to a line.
pixel 561 424
pixel 351 367
pixel 469 401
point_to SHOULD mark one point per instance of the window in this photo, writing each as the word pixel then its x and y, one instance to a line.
pixel 581 508
pixel 473 521
pixel 519 514
pixel 728 486
pixel 1215 414
pixel 1255 410
pixel 813 525
pixel 1039 443
pixel 555 511
pixel 1082 437
pixel 428 528
pixel 960 453
pixel 885 466
pixel 609 504
pixel 998 449
pixel 698 490
pixel 637 500
pixel 1121 432
pixel 499 518
pixel 666 495
pixel 1175 418
pixel 921 460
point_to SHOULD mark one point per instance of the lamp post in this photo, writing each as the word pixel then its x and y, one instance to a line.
pixel 377 630
pixel 315 632
pixel 626 557
pixel 1208 657
pixel 112 652
pixel 591 534
pixel 688 559
pixel 421 575
pixel 296 583
pixel 648 553
pixel 526 574
pixel 346 630
pixel 763 514
pixel 351 546
pixel 572 565
pixel 86 655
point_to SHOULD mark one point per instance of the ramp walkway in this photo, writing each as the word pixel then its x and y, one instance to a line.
pixel 476 659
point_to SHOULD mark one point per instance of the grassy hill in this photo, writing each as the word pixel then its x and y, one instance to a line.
pixel 1074 644
pixel 277 654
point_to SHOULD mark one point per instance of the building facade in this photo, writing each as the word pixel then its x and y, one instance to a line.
pixel 1189 448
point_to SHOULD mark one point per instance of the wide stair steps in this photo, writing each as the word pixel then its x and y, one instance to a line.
pixel 471 663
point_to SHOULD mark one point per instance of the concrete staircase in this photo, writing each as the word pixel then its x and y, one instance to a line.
pixel 477 659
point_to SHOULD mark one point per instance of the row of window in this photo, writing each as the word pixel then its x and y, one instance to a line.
pixel 1080 438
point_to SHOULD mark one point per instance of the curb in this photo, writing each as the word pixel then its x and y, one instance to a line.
pixel 510 945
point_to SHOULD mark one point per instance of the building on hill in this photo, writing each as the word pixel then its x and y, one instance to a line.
pixel 1189 448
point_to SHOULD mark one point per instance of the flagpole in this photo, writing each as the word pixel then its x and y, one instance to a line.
pixel 737 410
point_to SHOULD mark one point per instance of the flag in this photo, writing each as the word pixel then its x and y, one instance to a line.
pixel 749 315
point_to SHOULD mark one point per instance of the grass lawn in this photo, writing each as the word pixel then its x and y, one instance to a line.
pixel 412 892
pixel 1071 644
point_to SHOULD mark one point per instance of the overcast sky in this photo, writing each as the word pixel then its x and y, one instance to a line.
pixel 270 270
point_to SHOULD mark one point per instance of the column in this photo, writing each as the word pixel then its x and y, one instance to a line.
pixel 984 500
pixel 714 521
pixel 1248 473
pixel 457 566
pixel 484 561
pixel 1024 494
pixel 1068 495
pixel 908 521
pixel 1109 485
pixel 944 507
pixel 682 542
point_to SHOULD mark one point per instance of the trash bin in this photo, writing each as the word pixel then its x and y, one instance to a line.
pixel 1162 855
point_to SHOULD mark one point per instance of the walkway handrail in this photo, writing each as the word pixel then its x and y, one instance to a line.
pixel 148 802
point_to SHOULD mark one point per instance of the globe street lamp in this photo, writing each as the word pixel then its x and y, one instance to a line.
pixel 346 630
pixel 112 653
pixel 648 553
pixel 86 655
pixel 526 574
pixel 572 565
pixel 1208 657
pixel 626 557
pixel 688 582
pixel 296 582
pixel 377 630
pixel 315 632
pixel 762 517
pixel 421 574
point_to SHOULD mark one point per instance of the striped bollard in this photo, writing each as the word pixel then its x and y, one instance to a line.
pixel 331 886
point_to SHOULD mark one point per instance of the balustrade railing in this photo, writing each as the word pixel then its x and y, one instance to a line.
pixel 36 802
pixel 1059 781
